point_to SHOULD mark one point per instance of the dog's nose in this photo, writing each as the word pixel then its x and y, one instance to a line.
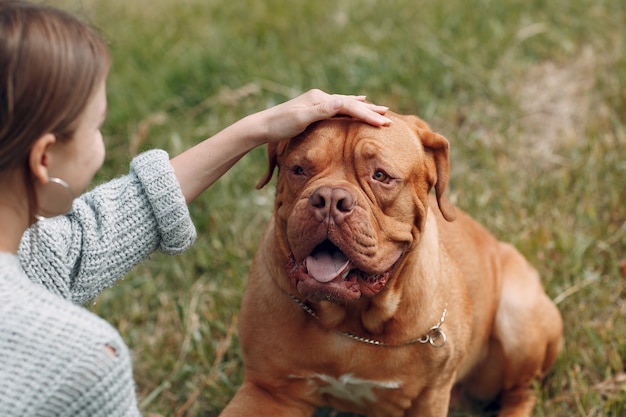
pixel 337 203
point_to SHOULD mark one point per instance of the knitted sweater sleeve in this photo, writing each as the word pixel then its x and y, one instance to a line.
pixel 109 230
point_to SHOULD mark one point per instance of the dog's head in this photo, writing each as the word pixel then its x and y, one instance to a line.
pixel 352 199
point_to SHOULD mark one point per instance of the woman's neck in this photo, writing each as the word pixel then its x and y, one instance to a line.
pixel 13 215
pixel 11 233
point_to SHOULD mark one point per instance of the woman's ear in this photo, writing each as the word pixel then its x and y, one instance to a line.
pixel 39 157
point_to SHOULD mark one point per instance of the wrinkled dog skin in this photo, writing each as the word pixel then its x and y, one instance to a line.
pixel 360 249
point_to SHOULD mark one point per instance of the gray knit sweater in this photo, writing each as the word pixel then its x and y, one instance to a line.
pixel 55 356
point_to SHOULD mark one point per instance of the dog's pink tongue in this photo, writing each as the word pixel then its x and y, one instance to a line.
pixel 325 266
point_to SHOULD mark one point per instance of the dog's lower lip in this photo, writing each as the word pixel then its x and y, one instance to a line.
pixel 347 283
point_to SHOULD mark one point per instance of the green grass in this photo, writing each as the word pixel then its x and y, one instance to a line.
pixel 531 95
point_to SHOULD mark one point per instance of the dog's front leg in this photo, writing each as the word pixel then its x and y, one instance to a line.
pixel 432 402
pixel 255 400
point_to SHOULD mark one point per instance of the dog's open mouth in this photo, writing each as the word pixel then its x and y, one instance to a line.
pixel 328 274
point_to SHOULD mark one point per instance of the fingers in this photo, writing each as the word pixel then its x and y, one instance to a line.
pixel 317 96
pixel 357 107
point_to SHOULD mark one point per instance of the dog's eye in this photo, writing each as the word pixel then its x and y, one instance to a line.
pixel 297 170
pixel 381 176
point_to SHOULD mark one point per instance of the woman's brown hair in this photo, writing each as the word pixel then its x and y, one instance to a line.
pixel 50 66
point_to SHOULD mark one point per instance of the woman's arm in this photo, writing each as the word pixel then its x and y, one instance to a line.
pixel 109 230
pixel 200 166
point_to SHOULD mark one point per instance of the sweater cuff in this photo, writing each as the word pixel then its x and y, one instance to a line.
pixel 156 174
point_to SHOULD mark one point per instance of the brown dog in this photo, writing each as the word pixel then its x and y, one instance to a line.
pixel 366 296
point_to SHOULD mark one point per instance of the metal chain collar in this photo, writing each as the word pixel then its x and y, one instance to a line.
pixel 435 336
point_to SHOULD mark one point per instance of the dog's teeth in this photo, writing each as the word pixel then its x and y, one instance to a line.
pixel 344 275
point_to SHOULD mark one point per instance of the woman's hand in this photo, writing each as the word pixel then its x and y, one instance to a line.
pixel 288 119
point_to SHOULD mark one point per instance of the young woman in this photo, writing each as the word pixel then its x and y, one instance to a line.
pixel 57 252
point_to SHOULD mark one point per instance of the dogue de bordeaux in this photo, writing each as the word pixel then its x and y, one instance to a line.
pixel 369 294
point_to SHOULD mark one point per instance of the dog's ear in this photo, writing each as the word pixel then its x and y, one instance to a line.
pixel 438 151
pixel 274 150
pixel 272 155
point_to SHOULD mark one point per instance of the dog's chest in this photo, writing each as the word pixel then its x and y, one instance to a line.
pixel 350 388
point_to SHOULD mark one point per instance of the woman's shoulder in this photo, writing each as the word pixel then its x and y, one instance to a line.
pixel 32 312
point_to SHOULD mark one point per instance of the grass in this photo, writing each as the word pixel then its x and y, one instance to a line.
pixel 531 95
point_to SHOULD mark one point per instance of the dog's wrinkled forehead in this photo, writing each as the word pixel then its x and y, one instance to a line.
pixel 342 137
